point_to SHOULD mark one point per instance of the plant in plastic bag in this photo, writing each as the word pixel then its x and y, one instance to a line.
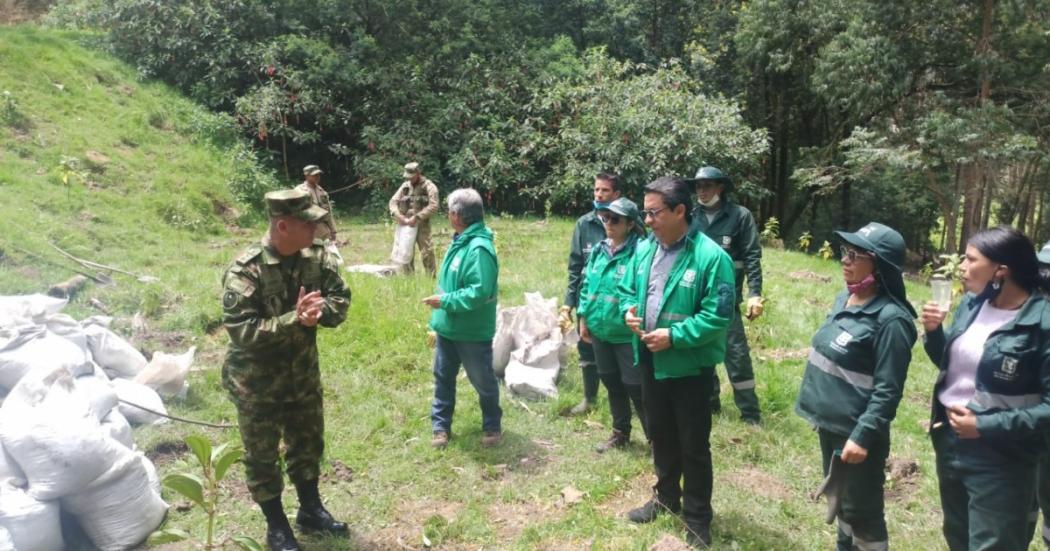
pixel 203 490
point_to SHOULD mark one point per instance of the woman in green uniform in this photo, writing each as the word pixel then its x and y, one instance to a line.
pixel 991 402
pixel 601 323
pixel 855 376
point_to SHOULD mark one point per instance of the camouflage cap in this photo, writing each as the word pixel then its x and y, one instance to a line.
pixel 411 169
pixel 293 202
pixel 310 170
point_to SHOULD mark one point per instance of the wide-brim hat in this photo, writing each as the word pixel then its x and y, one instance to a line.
pixel 889 249
pixel 713 174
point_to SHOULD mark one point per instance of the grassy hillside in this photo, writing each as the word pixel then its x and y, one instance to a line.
pixel 151 195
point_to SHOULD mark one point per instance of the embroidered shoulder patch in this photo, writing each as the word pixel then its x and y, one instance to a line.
pixel 726 299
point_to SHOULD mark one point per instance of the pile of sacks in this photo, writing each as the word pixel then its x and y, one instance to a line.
pixel 530 349
pixel 65 429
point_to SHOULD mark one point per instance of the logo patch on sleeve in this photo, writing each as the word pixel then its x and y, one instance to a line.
pixel 726 299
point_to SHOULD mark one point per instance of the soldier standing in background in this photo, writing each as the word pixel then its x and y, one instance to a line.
pixel 412 205
pixel 275 294
pixel 312 185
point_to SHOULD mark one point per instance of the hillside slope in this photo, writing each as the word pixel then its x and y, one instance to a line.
pixel 112 170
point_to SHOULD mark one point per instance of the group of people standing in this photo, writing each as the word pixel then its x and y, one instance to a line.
pixel 659 301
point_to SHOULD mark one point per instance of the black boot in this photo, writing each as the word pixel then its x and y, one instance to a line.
pixel 279 535
pixel 313 517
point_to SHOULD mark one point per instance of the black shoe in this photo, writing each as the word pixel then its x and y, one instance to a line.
pixel 617 440
pixel 281 538
pixel 314 517
pixel 698 536
pixel 648 512
pixel 716 406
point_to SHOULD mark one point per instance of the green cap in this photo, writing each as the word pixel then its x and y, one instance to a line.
pixel 622 206
pixel 411 169
pixel 889 249
pixel 310 170
pixel 293 202
pixel 713 174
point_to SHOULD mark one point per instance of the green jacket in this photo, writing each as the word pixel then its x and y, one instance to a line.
pixel 857 366
pixel 1012 398
pixel 735 230
pixel 599 299
pixel 697 304
pixel 589 232
pixel 469 289
pixel 271 356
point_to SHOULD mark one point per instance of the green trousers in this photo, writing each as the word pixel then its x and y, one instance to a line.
pixel 986 494
pixel 740 371
pixel 263 425
pixel 861 519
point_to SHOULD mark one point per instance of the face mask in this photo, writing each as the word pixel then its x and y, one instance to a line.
pixel 710 203
pixel 598 205
pixel 861 285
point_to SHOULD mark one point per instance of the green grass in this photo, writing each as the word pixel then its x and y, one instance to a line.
pixel 152 209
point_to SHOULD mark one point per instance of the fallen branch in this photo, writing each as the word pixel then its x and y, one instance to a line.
pixel 101 279
pixel 97 266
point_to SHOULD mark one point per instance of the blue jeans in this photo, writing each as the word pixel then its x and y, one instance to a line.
pixel 476 359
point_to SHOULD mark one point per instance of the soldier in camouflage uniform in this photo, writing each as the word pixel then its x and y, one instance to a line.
pixel 412 205
pixel 275 294
pixel 312 185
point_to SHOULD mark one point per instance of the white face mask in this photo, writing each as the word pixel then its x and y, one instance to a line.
pixel 709 203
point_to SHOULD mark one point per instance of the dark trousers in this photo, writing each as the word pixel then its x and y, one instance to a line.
pixel 986 494
pixel 740 371
pixel 623 381
pixel 862 520
pixel 589 369
pixel 679 418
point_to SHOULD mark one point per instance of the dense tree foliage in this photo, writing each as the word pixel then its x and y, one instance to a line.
pixel 929 115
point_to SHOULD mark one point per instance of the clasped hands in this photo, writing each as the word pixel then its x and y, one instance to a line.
pixel 309 307
pixel 655 340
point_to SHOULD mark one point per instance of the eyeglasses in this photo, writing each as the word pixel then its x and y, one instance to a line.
pixel 651 213
pixel 610 219
pixel 846 253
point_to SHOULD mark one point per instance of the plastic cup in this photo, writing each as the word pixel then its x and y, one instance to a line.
pixel 942 293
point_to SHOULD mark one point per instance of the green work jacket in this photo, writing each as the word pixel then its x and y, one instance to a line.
pixel 599 299
pixel 857 366
pixel 1012 398
pixel 589 231
pixel 734 229
pixel 469 287
pixel 696 306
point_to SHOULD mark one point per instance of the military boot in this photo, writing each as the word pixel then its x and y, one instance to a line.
pixel 313 517
pixel 279 535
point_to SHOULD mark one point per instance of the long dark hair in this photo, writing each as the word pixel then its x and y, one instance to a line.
pixel 1006 245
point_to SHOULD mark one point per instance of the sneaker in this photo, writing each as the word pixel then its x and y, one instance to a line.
pixel 440 439
pixel 581 408
pixel 490 439
pixel 698 536
pixel 648 512
pixel 617 440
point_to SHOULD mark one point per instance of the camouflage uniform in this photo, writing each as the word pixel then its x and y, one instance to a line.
pixel 271 369
pixel 326 225
pixel 419 201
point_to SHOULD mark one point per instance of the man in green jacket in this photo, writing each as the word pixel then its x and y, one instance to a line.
pixel 589 232
pixel 732 226
pixel 677 295
pixel 464 317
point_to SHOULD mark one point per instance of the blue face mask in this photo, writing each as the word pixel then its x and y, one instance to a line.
pixel 598 205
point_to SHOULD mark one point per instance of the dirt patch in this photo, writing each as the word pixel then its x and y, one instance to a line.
pixel 96 161
pixel 779 354
pixel 226 212
pixel 634 494
pixel 166 452
pixel 510 519
pixel 405 531
pixel 669 543
pixel 761 483
pixel 810 276
pixel 340 472
pixel 903 477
